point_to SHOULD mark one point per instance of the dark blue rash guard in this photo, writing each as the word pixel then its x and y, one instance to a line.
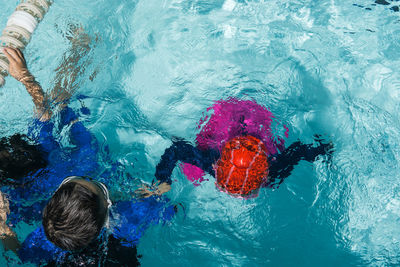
pixel 128 219
pixel 281 164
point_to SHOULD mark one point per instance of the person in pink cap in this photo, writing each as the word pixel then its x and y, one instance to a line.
pixel 242 145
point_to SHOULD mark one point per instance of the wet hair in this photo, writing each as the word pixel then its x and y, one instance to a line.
pixel 19 157
pixel 72 219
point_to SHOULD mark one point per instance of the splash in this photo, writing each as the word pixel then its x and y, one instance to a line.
pixel 231 118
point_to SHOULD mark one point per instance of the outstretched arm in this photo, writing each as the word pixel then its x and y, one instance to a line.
pixel 73 65
pixel 185 152
pixel 282 164
pixel 20 72
pixel 180 151
pixel 65 83
pixel 8 237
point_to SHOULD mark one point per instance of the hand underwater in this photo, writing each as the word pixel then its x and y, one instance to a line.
pixel 148 191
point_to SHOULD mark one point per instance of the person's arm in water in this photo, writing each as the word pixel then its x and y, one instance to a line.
pixel 7 235
pixel 20 72
pixel 179 151
pixel 281 165
pixel 65 82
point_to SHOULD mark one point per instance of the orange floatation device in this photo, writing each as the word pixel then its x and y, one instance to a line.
pixel 242 167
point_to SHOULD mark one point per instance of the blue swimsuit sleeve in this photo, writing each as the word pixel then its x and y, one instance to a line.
pixel 185 152
pixel 28 214
pixel 42 133
pixel 134 217
pixel 86 146
pixel 38 249
pixel 80 136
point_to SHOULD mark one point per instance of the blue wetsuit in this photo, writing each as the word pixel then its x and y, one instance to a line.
pixel 128 219
pixel 27 202
pixel 281 164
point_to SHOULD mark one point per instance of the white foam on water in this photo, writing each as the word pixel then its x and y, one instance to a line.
pixel 229 5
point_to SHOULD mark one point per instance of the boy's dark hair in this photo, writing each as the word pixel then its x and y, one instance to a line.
pixel 19 158
pixel 71 219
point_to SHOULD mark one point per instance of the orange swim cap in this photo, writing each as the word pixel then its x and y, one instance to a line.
pixel 242 167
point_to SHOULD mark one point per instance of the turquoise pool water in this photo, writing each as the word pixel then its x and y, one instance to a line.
pixel 322 67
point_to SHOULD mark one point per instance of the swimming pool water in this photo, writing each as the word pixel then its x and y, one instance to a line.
pixel 322 67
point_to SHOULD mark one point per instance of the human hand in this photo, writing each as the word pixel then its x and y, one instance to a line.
pixel 148 191
pixel 4 211
pixel 18 68
pixel 4 208
pixel 7 236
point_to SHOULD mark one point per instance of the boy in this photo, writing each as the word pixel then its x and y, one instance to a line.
pixel 76 219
